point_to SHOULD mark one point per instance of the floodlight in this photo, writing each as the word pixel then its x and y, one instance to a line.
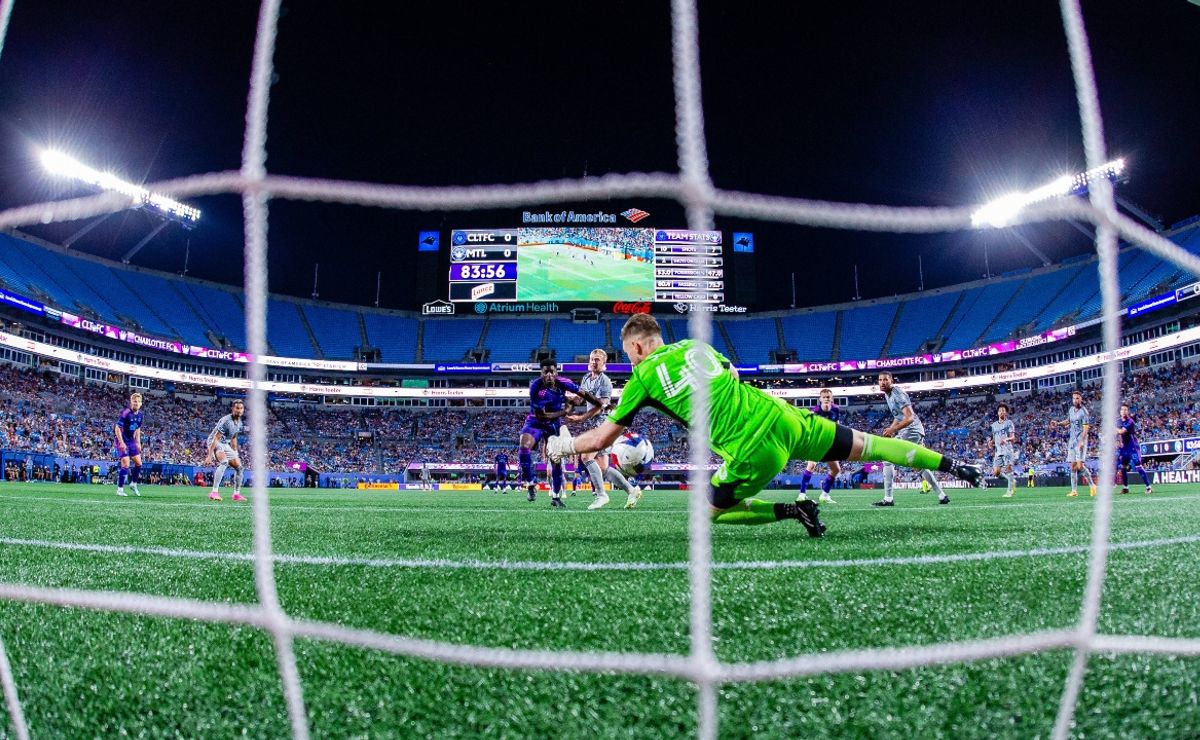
pixel 1003 210
pixel 58 163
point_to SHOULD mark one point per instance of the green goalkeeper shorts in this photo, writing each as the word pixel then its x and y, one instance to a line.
pixel 792 434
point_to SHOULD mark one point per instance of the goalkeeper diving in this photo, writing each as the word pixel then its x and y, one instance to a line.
pixel 754 433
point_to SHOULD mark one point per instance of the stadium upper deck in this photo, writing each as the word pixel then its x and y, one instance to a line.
pixel 205 314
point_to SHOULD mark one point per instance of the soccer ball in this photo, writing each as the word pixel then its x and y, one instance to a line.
pixel 633 452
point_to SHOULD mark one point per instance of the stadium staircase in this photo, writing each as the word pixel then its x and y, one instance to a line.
pixel 481 343
pixel 734 355
pixel 666 326
pixel 133 291
pixel 362 330
pixel 545 343
pixel 187 299
pixel 782 343
pixel 940 336
pixel 420 341
pixel 835 351
pixel 887 341
pixel 308 331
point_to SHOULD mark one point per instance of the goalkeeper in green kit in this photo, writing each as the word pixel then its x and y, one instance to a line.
pixel 754 433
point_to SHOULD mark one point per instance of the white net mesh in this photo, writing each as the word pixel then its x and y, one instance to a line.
pixel 692 187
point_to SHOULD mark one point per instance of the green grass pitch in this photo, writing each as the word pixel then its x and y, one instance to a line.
pixel 545 276
pixel 85 673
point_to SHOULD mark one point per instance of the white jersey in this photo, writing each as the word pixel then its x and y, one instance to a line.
pixel 599 386
pixel 1001 432
pixel 897 399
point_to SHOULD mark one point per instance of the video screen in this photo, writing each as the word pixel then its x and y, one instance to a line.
pixel 585 264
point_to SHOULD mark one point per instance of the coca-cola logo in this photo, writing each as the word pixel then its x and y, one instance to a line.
pixel 631 308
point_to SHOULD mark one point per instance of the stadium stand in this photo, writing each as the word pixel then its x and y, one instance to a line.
pixel 336 330
pixel 1032 297
pixel 286 331
pixel 571 340
pixel 219 308
pixel 449 340
pixel 979 307
pixel 810 334
pixel 919 321
pixel 394 336
pixel 157 292
pixel 864 329
pixel 511 339
pixel 754 338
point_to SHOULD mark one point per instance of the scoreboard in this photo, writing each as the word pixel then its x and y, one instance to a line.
pixel 587 264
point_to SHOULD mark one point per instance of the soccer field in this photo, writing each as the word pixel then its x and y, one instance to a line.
pixel 547 276
pixel 880 577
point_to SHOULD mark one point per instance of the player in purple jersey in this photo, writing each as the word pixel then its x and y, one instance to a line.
pixel 128 431
pixel 827 408
pixel 1130 452
pixel 548 406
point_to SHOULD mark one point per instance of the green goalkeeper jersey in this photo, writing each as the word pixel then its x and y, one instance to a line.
pixel 664 380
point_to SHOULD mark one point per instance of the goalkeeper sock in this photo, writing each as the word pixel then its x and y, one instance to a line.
pixel 804 479
pixel 526 465
pixel 903 452
pixel 751 511
pixel 596 476
pixel 617 478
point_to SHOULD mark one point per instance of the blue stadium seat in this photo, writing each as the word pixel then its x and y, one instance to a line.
pixel 285 330
pixel 680 329
pixel 810 334
pixel 337 330
pixel 863 330
pixel 1069 297
pixel 160 295
pixel 978 309
pixel 26 264
pixel 394 336
pixel 754 339
pixel 569 340
pixel 1035 295
pixel 219 308
pixel 512 340
pixel 920 321
pixel 449 340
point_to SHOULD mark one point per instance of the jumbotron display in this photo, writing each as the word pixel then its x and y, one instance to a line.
pixel 586 264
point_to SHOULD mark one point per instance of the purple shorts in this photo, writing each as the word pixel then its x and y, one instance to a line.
pixel 538 430
pixel 132 450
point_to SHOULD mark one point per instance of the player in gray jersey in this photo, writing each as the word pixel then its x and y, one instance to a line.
pixel 1004 435
pixel 905 425
pixel 223 448
pixel 1077 422
pixel 596 463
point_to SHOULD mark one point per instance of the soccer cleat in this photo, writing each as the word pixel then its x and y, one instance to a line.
pixel 1010 494
pixel 133 487
pixel 808 514
pixel 826 499
pixel 1149 490
pixel 944 500
pixel 532 488
pixel 633 498
pixel 121 492
pixel 1125 489
pixel 1092 490
pixel 214 496
pixel 972 474
pixel 884 502
pixel 557 503
pixel 800 497
pixel 1072 494
pixel 237 497
pixel 600 502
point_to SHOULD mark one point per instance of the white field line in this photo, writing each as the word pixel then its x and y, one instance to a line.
pixel 530 565
pixel 349 505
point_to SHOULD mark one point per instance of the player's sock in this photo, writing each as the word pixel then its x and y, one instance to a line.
pixel 933 483
pixel 238 476
pixel 1125 477
pixel 596 476
pixel 827 483
pixel 617 478
pixel 122 477
pixel 752 511
pixel 903 452
pixel 1087 475
pixel 526 458
pixel 804 479
pixel 889 475
pixel 1074 479
pixel 1145 476
pixel 135 475
pixel 219 475
pixel 1012 482
pixel 556 477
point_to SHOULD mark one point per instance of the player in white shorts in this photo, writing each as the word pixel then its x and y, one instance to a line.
pixel 223 448
pixel 598 384
pixel 1077 422
pixel 905 425
pixel 1004 434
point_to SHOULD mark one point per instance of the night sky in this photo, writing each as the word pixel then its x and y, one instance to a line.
pixel 874 102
